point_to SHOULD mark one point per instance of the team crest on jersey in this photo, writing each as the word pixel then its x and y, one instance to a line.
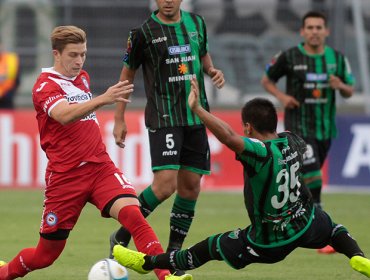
pixel 51 219
pixel 331 68
pixel 84 80
pixel 193 36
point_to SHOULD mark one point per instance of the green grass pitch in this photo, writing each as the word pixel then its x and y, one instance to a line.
pixel 216 212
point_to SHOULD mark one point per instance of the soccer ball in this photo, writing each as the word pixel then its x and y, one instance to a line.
pixel 107 269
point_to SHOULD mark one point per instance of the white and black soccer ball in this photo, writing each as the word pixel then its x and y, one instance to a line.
pixel 107 269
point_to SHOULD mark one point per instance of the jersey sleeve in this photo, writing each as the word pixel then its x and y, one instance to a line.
pixel 278 67
pixel 348 76
pixel 203 39
pixel 254 155
pixel 135 49
pixel 296 142
pixel 46 95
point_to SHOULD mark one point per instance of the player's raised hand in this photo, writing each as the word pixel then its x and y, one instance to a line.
pixel 193 98
pixel 217 77
pixel 119 92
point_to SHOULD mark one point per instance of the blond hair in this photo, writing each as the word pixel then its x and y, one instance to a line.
pixel 63 35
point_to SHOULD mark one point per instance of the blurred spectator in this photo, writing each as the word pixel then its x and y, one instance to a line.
pixel 286 15
pixel 9 78
pixel 254 24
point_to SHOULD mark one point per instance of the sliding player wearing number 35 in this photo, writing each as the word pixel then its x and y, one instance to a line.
pixel 282 213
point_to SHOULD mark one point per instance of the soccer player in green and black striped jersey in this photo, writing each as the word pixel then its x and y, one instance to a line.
pixel 314 73
pixel 282 214
pixel 172 48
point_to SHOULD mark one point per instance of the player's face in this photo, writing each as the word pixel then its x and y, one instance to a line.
pixel 169 10
pixel 71 60
pixel 314 32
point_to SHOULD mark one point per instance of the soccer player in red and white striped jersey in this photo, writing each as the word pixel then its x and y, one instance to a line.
pixel 79 168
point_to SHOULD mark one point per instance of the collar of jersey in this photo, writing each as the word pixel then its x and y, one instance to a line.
pixel 279 139
pixel 155 18
pixel 51 70
pixel 301 48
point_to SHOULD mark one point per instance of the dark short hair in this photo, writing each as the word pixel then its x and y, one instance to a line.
pixel 261 114
pixel 314 14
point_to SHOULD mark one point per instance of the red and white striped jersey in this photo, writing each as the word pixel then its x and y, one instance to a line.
pixel 66 146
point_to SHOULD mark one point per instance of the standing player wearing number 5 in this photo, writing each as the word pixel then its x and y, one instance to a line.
pixel 280 207
pixel 171 46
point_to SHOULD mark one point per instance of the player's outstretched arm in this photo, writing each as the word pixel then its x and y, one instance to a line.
pixel 218 127
pixel 66 113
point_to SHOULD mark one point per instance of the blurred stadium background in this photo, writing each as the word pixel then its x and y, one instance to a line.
pixel 243 37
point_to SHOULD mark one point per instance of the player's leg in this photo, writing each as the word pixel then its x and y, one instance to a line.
pixel 149 199
pixel 195 162
pixel 183 209
pixel 30 259
pixel 127 212
pixel 343 243
pixel 115 197
pixel 323 231
pixel 148 202
pixel 59 217
pixel 231 247
pixel 165 146
pixel 186 259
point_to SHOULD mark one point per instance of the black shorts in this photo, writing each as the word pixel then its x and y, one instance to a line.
pixel 180 148
pixel 314 158
pixel 238 251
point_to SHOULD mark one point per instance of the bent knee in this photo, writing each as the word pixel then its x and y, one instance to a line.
pixel 164 192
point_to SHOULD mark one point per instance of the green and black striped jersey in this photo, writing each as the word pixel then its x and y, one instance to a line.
pixel 170 55
pixel 279 204
pixel 307 80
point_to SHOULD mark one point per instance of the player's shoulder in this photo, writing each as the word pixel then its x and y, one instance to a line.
pixel 254 145
pixel 290 135
pixel 284 54
pixel 333 50
pixel 294 140
pixel 45 82
pixel 83 74
pixel 141 29
pixel 194 16
pixel 292 50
